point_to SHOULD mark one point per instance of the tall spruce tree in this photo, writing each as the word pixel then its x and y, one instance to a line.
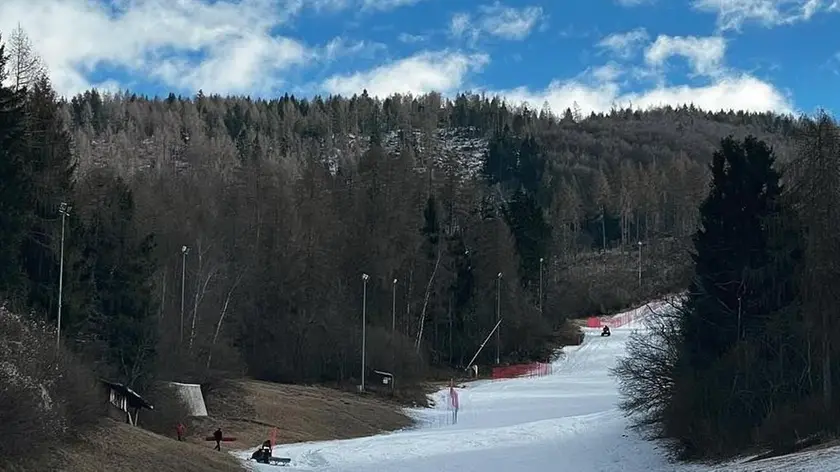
pixel 51 163
pixel 727 309
pixel 121 265
pixel 15 184
pixel 500 159
pixel 731 244
pixel 531 232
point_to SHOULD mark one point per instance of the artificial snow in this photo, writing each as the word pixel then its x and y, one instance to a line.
pixel 565 421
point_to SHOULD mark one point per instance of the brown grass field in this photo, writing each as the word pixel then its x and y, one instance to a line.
pixel 247 410
pixel 300 413
pixel 116 446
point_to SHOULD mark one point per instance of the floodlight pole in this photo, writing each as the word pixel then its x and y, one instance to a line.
pixel 364 323
pixel 64 209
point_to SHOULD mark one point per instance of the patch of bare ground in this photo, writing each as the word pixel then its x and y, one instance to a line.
pixel 118 446
pixel 249 410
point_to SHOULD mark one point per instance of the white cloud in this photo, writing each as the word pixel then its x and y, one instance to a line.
pixel 329 5
pixel 369 5
pixel 387 4
pixel 509 23
pixel 741 92
pixel 459 24
pixel 231 46
pixel 497 20
pixel 624 45
pixel 732 14
pixel 634 3
pixel 423 72
pixel 598 89
pixel 607 73
pixel 705 54
pixel 341 47
pixel 151 38
pixel 411 38
pixel 235 66
pixel 227 46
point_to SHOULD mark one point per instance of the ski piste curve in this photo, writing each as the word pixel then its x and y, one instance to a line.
pixel 566 420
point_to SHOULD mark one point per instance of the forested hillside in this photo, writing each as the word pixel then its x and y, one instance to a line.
pixel 270 211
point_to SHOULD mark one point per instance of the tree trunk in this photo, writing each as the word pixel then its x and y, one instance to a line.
pixel 426 301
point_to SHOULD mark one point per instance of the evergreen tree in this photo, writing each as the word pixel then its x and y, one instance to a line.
pixel 431 223
pixel 500 159
pixel 717 402
pixel 15 184
pixel 51 163
pixel 531 232
pixel 731 244
pixel 530 166
pixel 121 267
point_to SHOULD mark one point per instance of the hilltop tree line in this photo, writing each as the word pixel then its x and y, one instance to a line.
pixel 213 234
pixel 746 361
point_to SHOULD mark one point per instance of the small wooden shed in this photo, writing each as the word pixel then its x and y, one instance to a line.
pixel 381 380
pixel 124 401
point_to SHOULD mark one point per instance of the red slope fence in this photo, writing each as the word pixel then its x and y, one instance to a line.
pixel 615 321
pixel 534 369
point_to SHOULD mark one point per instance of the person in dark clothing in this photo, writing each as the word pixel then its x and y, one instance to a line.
pixel 263 454
pixel 218 437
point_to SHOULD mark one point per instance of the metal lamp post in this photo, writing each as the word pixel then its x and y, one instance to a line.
pixel 64 209
pixel 184 251
pixel 498 316
pixel 541 286
pixel 640 264
pixel 364 322
pixel 394 309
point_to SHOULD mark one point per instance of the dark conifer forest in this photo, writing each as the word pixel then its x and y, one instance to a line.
pixel 212 236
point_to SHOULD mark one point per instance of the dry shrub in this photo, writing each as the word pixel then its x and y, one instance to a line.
pixel 394 354
pixel 45 396
pixel 786 427
pixel 568 334
pixel 646 373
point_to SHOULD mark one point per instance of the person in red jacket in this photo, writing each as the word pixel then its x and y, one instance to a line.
pixel 180 429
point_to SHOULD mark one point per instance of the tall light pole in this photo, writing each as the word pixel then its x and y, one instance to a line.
pixel 184 251
pixel 541 286
pixel 640 264
pixel 64 209
pixel 364 322
pixel 394 309
pixel 498 315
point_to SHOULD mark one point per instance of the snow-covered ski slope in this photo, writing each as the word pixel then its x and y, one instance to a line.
pixel 565 421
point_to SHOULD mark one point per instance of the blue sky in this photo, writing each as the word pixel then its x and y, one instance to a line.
pixel 777 55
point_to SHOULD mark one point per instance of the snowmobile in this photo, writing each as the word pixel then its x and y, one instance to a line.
pixel 263 456
pixel 605 331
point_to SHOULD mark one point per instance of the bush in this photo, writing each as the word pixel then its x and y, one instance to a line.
pixel 785 428
pixel 45 397
pixel 394 354
pixel 646 373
